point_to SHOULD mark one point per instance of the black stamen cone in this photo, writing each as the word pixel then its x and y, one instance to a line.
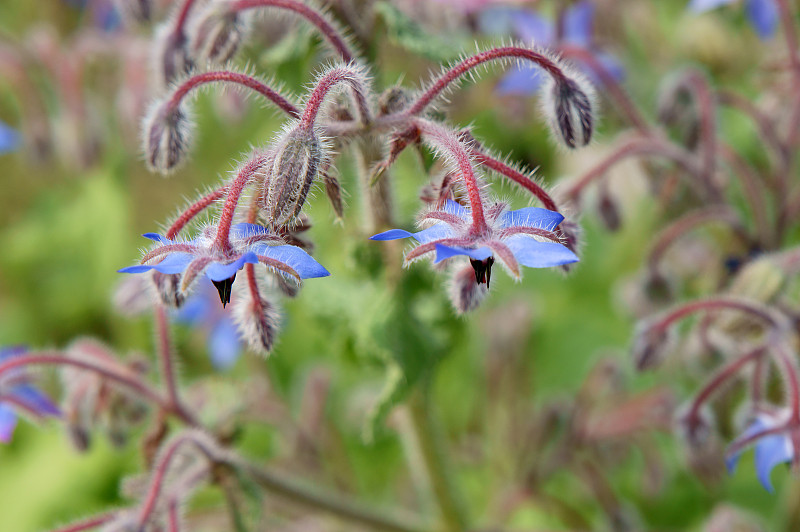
pixel 483 270
pixel 224 289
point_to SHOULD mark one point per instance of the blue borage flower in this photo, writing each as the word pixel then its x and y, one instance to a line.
pixel 17 393
pixel 525 24
pixel 770 450
pixel 524 236
pixel 762 14
pixel 249 244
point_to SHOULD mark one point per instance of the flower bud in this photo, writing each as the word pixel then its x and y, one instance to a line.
pixel 650 345
pixel 334 192
pixel 166 137
pixel 465 292
pixel 393 100
pixel 168 288
pixel 218 33
pixel 289 175
pixel 608 210
pixel 657 287
pixel 259 322
pixel 569 108
pixel 171 58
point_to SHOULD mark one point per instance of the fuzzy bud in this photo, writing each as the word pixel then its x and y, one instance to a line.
pixel 168 288
pixel 569 108
pixel 259 322
pixel 650 345
pixel 171 58
pixel 289 175
pixel 393 100
pixel 608 211
pixel 466 294
pixel 334 192
pixel 218 33
pixel 166 138
pixel 657 287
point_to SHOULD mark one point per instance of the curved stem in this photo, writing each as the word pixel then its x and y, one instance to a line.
pixel 774 318
pixel 697 84
pixel 324 85
pixel 615 90
pixel 86 524
pixel 165 354
pixel 183 17
pixel 765 127
pixel 516 176
pixel 314 17
pixel 462 68
pixel 193 210
pixel 448 143
pixel 243 177
pixel 787 362
pixel 225 76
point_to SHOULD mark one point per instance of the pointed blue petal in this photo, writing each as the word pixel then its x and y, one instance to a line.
pixel 531 217
pixel 223 344
pixel 8 421
pixel 157 238
pixel 732 460
pixel 239 231
pixel 520 81
pixel 771 451
pixel 578 24
pixel 456 208
pixel 701 6
pixel 296 258
pixel 392 234
pixel 174 263
pixel 9 139
pixel 437 231
pixel 445 252
pixel 36 400
pixel 217 271
pixel 534 254
pixel 764 16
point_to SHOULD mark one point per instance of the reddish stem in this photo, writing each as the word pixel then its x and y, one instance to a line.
pixel 243 177
pixel 786 360
pixel 724 303
pixel 86 524
pixel 516 176
pixel 470 63
pixel 198 80
pixel 753 192
pixel 327 82
pixel 165 354
pixel 315 18
pixel 193 210
pixel 183 16
pixel 449 143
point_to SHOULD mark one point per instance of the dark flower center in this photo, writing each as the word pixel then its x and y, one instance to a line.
pixel 224 289
pixel 483 270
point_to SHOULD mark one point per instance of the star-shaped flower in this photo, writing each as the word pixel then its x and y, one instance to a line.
pixel 18 394
pixel 248 244
pixel 762 14
pixel 774 448
pixel 522 237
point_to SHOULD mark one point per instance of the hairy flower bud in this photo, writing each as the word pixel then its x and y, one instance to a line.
pixel 218 33
pixel 171 58
pixel 608 210
pixel 168 288
pixel 568 105
pixel 166 137
pixel 393 100
pixel 259 322
pixel 650 345
pixel 289 175
pixel 466 294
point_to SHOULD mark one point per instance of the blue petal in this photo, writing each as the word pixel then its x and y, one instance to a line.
pixel 239 231
pixel 771 451
pixel 701 6
pixel 531 217
pixel 9 139
pixel 530 27
pixel 445 252
pixel 7 353
pixel 763 15
pixel 8 421
pixel 437 231
pixel 522 80
pixel 452 207
pixel 578 24
pixel 157 238
pixel 174 263
pixel 392 234
pixel 223 344
pixel 216 271
pixel 534 254
pixel 296 258
pixel 195 309
pixel 755 427
pixel 36 400
pixel 496 20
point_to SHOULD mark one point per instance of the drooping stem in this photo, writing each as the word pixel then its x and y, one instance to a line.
pixel 243 176
pixel 328 81
pixel 786 362
pixel 193 210
pixel 314 17
pixel 698 86
pixel 615 90
pixel 452 148
pixel 183 16
pixel 470 63
pixel 225 76
pixel 87 524
pixel 165 354
pixel 451 507
pixel 516 176
pixel 777 320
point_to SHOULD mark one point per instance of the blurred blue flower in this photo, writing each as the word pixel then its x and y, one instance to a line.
pixel 516 237
pixel 103 12
pixel 201 310
pixel 770 450
pixel 249 244
pixel 9 139
pixel 17 393
pixel 527 25
pixel 762 14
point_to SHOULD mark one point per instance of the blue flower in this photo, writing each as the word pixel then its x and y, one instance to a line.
pixel 9 139
pixel 522 237
pixel 770 450
pixel 17 393
pixel 248 244
pixel 224 345
pixel 527 25
pixel 762 14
